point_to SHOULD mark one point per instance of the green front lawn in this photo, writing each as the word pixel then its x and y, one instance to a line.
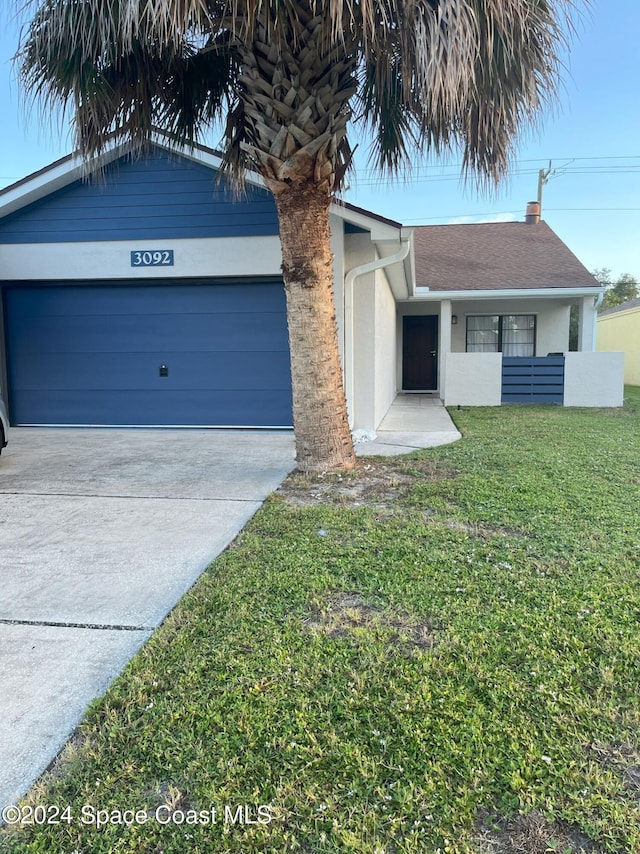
pixel 436 653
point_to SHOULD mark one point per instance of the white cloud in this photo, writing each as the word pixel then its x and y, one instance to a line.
pixel 504 216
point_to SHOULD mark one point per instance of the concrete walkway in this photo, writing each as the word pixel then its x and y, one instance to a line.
pixel 101 533
pixel 414 421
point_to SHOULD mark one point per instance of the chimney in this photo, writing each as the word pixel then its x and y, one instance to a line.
pixel 532 216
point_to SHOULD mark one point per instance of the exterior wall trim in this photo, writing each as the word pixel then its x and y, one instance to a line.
pixel 213 257
pixel 511 293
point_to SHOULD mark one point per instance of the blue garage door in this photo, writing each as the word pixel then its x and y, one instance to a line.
pixel 185 354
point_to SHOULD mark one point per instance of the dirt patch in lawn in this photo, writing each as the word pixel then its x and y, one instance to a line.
pixel 344 614
pixel 624 760
pixel 372 483
pixel 484 530
pixel 531 834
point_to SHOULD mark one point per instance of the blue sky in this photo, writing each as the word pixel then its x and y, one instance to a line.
pixel 592 197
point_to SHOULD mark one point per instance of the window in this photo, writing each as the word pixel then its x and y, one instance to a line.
pixel 510 334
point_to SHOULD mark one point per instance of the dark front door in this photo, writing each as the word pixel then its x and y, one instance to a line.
pixel 419 352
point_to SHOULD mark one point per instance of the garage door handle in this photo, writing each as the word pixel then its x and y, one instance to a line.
pixel 164 371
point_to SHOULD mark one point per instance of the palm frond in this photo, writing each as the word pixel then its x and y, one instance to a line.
pixel 514 79
pixel 384 110
pixel 121 88
pixel 466 74
pixel 423 75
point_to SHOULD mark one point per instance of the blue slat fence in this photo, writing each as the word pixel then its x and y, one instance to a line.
pixel 536 379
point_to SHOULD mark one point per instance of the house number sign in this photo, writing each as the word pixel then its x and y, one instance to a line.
pixel 152 258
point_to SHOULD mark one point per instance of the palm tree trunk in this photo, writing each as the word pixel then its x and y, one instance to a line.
pixel 323 437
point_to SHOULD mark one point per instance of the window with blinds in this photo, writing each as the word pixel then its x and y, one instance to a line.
pixel 510 334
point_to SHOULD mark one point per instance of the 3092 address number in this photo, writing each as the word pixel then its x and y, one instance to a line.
pixel 152 258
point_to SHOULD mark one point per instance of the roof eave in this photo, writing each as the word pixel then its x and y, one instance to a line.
pixel 424 293
pixel 381 229
pixel 54 177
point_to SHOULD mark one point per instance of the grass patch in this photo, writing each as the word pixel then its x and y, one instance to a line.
pixel 435 653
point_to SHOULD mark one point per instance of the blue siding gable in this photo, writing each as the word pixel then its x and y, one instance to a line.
pixel 159 196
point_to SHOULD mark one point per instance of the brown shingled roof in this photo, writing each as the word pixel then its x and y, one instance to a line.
pixel 495 256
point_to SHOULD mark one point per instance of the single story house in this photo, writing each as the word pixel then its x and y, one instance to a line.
pixel 619 329
pixel 154 297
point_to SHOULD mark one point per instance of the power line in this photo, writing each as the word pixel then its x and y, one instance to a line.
pixel 424 170
pixel 425 178
pixel 518 213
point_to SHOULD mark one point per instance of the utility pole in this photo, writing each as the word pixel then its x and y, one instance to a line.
pixel 543 177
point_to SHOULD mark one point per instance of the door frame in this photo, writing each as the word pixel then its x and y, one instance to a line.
pixel 435 318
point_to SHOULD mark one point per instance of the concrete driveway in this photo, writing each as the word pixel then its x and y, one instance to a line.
pixel 101 533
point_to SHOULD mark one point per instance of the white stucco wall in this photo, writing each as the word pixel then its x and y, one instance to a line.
pixel 359 345
pixel 384 348
pixel 587 325
pixel 206 257
pixel 473 379
pixel 445 327
pixel 363 386
pixel 374 350
pixel 553 329
pixel 337 250
pixel 373 386
pixel 594 379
